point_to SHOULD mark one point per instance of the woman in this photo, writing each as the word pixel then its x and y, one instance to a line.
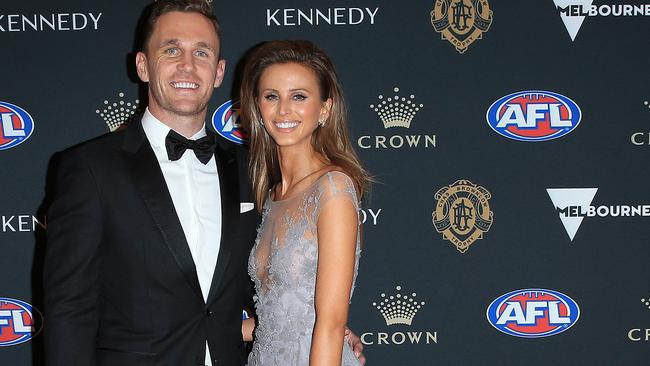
pixel 308 180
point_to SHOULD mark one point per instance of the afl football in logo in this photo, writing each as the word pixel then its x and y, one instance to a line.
pixel 17 125
pixel 225 121
pixel 534 115
pixel 19 322
pixel 533 313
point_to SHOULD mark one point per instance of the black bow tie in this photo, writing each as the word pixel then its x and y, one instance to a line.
pixel 177 144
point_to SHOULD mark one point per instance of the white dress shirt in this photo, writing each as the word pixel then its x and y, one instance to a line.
pixel 195 192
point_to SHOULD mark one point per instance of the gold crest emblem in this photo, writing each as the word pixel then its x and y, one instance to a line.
pixel 461 22
pixel 462 213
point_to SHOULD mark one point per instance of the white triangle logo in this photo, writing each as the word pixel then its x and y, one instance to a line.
pixel 566 197
pixel 572 23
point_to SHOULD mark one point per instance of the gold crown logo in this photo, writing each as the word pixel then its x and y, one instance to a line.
pixel 646 302
pixel 398 308
pixel 116 113
pixel 396 111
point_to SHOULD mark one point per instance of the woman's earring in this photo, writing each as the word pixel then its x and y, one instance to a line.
pixel 262 123
pixel 321 123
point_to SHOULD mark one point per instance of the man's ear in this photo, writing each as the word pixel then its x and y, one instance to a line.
pixel 141 66
pixel 221 70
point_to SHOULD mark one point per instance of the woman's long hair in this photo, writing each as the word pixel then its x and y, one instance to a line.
pixel 330 140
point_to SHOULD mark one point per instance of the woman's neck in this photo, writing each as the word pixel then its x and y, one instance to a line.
pixel 297 166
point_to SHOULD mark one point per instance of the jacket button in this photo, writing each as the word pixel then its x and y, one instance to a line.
pixel 215 362
pixel 208 313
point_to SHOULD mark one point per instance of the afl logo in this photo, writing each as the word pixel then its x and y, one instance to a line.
pixel 225 121
pixel 19 322
pixel 534 115
pixel 17 125
pixel 533 313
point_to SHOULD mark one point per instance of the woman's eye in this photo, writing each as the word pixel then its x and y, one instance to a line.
pixel 271 97
pixel 299 97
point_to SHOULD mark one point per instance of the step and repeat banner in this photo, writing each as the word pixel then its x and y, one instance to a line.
pixel 510 141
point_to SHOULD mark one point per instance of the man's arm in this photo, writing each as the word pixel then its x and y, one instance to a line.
pixel 71 269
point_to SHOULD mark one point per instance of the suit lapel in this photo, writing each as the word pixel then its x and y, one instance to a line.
pixel 229 188
pixel 150 184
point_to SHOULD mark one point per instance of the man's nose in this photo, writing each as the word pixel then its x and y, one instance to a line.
pixel 186 62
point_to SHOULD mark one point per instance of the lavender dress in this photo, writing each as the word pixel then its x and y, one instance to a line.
pixel 283 266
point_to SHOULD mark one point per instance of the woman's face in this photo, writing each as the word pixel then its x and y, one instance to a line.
pixel 290 103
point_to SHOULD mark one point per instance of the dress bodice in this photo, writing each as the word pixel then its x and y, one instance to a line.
pixel 283 266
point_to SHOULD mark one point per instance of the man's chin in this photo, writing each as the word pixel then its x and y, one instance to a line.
pixel 189 110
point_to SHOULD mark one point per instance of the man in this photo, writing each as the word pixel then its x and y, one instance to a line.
pixel 149 231
pixel 132 275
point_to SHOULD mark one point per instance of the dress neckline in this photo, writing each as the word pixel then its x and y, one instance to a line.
pixel 302 191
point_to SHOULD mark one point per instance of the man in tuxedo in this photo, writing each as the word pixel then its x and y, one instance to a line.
pixel 151 227
pixel 149 231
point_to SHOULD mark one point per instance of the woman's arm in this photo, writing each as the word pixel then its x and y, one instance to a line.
pixel 337 235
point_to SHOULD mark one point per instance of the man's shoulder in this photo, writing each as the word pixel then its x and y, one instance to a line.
pixel 101 146
pixel 238 150
pixel 225 143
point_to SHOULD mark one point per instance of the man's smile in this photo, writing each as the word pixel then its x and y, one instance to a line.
pixel 184 85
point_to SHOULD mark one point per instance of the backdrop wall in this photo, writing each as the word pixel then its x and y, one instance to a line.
pixel 510 141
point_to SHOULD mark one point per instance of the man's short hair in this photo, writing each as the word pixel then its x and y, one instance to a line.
pixel 161 7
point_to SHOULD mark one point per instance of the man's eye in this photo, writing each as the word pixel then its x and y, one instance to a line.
pixel 202 53
pixel 171 51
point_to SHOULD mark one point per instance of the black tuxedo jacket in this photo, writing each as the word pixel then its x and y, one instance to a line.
pixel 120 284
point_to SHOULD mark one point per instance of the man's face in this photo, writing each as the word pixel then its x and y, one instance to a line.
pixel 181 65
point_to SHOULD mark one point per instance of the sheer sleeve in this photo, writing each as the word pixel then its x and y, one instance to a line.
pixel 336 185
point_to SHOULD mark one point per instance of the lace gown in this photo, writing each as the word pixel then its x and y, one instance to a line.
pixel 283 266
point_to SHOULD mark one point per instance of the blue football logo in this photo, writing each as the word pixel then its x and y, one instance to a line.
pixel 19 322
pixel 16 125
pixel 533 313
pixel 225 121
pixel 534 115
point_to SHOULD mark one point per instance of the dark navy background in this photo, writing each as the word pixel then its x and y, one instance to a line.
pixel 63 77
